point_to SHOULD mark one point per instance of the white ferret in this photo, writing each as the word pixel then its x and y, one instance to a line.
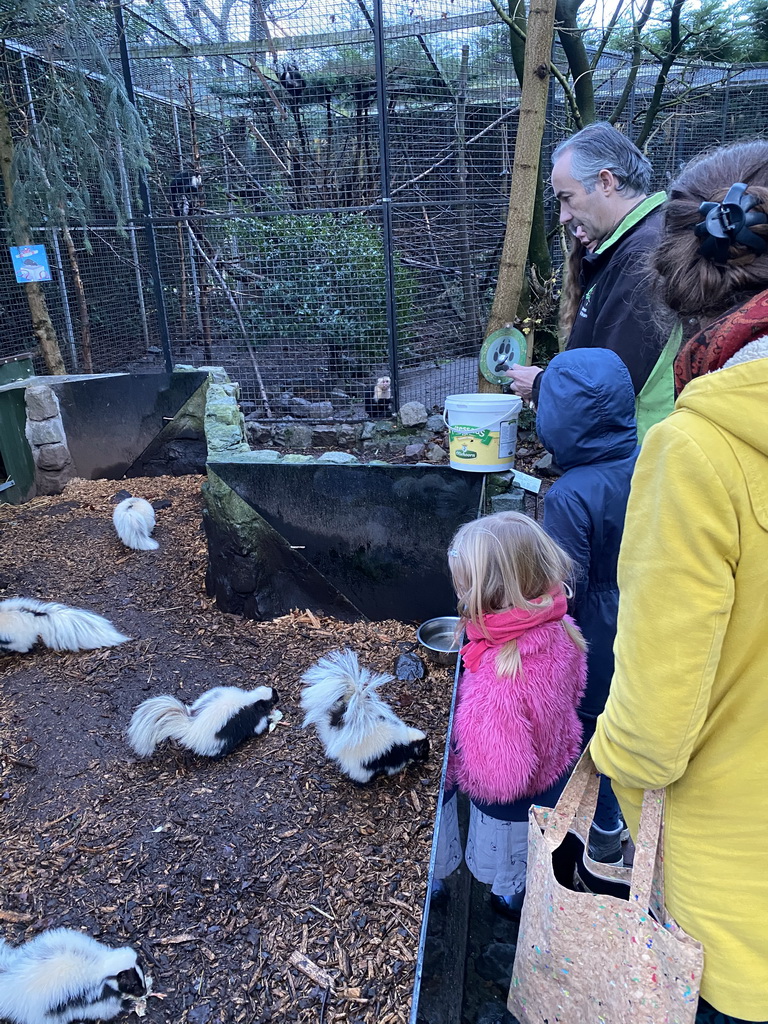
pixel 63 976
pixel 23 620
pixel 213 726
pixel 357 728
pixel 134 521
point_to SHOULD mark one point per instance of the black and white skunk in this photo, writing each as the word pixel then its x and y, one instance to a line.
pixel 63 975
pixel 213 726
pixel 23 620
pixel 358 730
pixel 134 521
pixel 379 403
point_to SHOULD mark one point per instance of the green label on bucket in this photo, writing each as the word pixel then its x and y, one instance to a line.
pixel 483 436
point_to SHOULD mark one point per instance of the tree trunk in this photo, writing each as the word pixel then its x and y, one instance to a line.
pixel 572 41
pixel 525 168
pixel 42 325
pixel 85 322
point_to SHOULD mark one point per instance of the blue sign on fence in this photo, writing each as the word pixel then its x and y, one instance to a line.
pixel 30 262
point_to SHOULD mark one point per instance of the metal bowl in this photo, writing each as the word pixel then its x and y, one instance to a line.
pixel 439 640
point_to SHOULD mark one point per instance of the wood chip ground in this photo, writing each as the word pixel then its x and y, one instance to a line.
pixel 247 883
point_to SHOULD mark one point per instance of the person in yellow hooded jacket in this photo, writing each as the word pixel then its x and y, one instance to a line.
pixel 688 704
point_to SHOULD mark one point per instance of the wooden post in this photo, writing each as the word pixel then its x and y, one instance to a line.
pixel 525 169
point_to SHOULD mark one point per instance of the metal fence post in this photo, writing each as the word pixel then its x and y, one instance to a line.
pixel 149 227
pixel 386 201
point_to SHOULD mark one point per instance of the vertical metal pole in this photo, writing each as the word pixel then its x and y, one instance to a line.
pixel 149 228
pixel 386 201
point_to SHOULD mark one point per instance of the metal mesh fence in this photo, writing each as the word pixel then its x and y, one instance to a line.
pixel 283 253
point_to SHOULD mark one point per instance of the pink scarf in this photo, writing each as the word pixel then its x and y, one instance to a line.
pixel 505 626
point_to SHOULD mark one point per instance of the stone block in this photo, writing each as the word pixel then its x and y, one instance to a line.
pixel 321 410
pixel 512 501
pixel 299 407
pixel 435 454
pixel 50 431
pixel 338 458
pixel 258 433
pixel 413 414
pixel 52 457
pixel 349 433
pixel 41 402
pixel 266 455
pixel 324 436
pixel 297 435
pixel 54 482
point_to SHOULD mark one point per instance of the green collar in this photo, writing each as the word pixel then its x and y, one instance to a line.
pixel 633 217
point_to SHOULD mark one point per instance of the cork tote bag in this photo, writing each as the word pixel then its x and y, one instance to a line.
pixel 584 958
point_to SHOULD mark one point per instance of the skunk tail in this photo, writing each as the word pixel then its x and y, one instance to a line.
pixel 59 627
pixel 157 719
pixel 134 521
pixel 339 679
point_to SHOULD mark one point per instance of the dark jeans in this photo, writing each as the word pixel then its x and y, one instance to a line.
pixel 607 813
pixel 709 1015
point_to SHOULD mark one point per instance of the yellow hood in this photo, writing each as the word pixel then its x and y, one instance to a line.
pixel 735 399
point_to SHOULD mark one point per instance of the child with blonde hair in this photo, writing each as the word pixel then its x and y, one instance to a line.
pixel 516 731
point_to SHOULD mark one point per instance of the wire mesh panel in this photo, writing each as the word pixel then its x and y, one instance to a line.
pixel 328 185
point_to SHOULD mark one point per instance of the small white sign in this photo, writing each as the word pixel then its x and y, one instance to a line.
pixel 528 483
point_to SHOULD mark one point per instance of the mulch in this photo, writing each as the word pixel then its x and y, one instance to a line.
pixel 225 875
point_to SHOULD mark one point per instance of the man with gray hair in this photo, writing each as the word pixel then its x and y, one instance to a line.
pixel 602 182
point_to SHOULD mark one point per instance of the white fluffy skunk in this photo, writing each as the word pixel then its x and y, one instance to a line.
pixel 63 976
pixel 23 620
pixel 358 730
pixel 134 520
pixel 213 726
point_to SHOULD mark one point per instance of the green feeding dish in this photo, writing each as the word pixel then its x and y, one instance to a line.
pixel 500 350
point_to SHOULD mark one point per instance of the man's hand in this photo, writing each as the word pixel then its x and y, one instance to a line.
pixel 522 379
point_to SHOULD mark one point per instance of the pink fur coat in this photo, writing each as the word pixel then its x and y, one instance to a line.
pixel 515 737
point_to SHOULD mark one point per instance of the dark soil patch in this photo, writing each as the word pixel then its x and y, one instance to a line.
pixel 218 871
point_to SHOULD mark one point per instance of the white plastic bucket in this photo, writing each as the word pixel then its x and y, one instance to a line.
pixel 482 430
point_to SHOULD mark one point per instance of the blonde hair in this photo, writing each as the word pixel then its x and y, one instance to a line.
pixel 505 561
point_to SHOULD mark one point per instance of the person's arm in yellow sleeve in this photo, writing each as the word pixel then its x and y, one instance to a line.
pixel 676 580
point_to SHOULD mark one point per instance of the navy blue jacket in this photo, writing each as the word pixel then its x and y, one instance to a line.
pixel 586 419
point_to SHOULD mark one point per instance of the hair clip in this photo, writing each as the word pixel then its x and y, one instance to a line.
pixel 453 553
pixel 730 223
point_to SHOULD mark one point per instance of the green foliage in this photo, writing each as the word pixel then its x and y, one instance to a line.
pixel 323 284
pixel 67 146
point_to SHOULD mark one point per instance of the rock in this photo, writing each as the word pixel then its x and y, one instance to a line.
pixel 495 963
pixel 266 455
pixel 285 401
pixel 339 458
pixel 408 667
pixel 50 431
pixel 161 503
pixel 413 414
pixel 339 395
pixel 523 451
pixel 512 501
pixel 41 402
pixel 300 407
pixel 321 410
pixel 120 496
pixel 349 433
pixel 257 433
pixel 296 460
pixel 377 462
pixel 436 454
pixel 297 435
pixel 544 462
pixel 53 456
pixel 413 451
pixel 494 1013
pixel 368 431
pixel 436 424
pixel 323 435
